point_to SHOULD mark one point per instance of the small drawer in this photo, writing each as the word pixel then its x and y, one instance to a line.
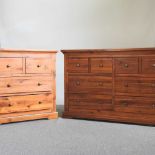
pixel 90 84
pixel 126 65
pixel 135 105
pixel 78 65
pixel 127 85
pixel 25 84
pixel 11 66
pixel 39 65
pixel 148 65
pixel 90 102
pixel 101 65
pixel 14 104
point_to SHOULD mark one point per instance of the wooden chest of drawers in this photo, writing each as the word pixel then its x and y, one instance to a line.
pixel 27 85
pixel 113 85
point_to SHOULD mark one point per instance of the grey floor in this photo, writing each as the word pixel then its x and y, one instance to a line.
pixel 75 137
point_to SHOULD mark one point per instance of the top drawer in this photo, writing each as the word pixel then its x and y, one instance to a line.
pixel 148 65
pixel 79 65
pixel 101 65
pixel 11 65
pixel 39 65
pixel 126 65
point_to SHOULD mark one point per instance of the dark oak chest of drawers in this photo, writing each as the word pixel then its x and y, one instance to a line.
pixel 113 85
pixel 27 85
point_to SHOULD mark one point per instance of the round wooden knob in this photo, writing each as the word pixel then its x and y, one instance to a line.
pixel 126 65
pixel 125 104
pixel 39 84
pixel 153 105
pixel 38 66
pixel 100 65
pixel 39 102
pixel 8 85
pixel 77 65
pixel 8 66
pixel 100 83
pixel 78 83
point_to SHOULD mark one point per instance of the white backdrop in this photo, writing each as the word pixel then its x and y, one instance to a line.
pixel 61 24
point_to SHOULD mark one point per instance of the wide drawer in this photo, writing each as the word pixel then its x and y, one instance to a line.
pixel 148 65
pixel 126 65
pixel 89 101
pixel 135 105
pixel 90 84
pixel 101 65
pixel 13 104
pixel 25 84
pixel 11 66
pixel 77 65
pixel 135 86
pixel 39 65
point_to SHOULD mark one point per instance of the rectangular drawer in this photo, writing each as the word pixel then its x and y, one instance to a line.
pixel 135 105
pixel 25 84
pixel 13 104
pixel 101 65
pixel 39 65
pixel 126 65
pixel 77 65
pixel 11 66
pixel 90 84
pixel 127 85
pixel 90 101
pixel 148 65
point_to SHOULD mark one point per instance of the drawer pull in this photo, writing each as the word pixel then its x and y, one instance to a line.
pixel 78 83
pixel 38 66
pixel 9 105
pixel 39 84
pixel 77 65
pixel 153 85
pixel 153 105
pixel 153 65
pixel 8 85
pixel 126 65
pixel 124 104
pixel 100 83
pixel 100 65
pixel 126 85
pixel 8 66
pixel 39 102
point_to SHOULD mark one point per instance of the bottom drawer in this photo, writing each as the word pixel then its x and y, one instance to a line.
pixel 135 105
pixel 84 102
pixel 12 104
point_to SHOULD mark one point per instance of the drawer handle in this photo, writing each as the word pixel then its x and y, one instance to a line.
pixel 8 85
pixel 126 65
pixel 126 85
pixel 39 102
pixel 78 83
pixel 153 85
pixel 153 65
pixel 38 66
pixel 100 65
pixel 39 84
pixel 77 65
pixel 9 105
pixel 100 83
pixel 124 104
pixel 8 66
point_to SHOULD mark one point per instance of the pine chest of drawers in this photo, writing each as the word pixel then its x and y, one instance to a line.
pixel 113 85
pixel 27 85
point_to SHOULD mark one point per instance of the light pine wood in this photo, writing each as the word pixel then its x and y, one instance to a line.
pixel 111 84
pixel 27 85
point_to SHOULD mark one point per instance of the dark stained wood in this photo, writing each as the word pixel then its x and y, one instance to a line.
pixel 112 85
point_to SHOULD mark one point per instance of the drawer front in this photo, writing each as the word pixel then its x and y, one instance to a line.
pixel 148 65
pixel 90 84
pixel 77 65
pixel 39 65
pixel 13 104
pixel 101 65
pixel 127 85
pixel 126 65
pixel 11 65
pixel 25 84
pixel 139 86
pixel 90 101
pixel 135 105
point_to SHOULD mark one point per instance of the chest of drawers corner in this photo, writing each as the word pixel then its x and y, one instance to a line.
pixel 27 85
pixel 110 84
